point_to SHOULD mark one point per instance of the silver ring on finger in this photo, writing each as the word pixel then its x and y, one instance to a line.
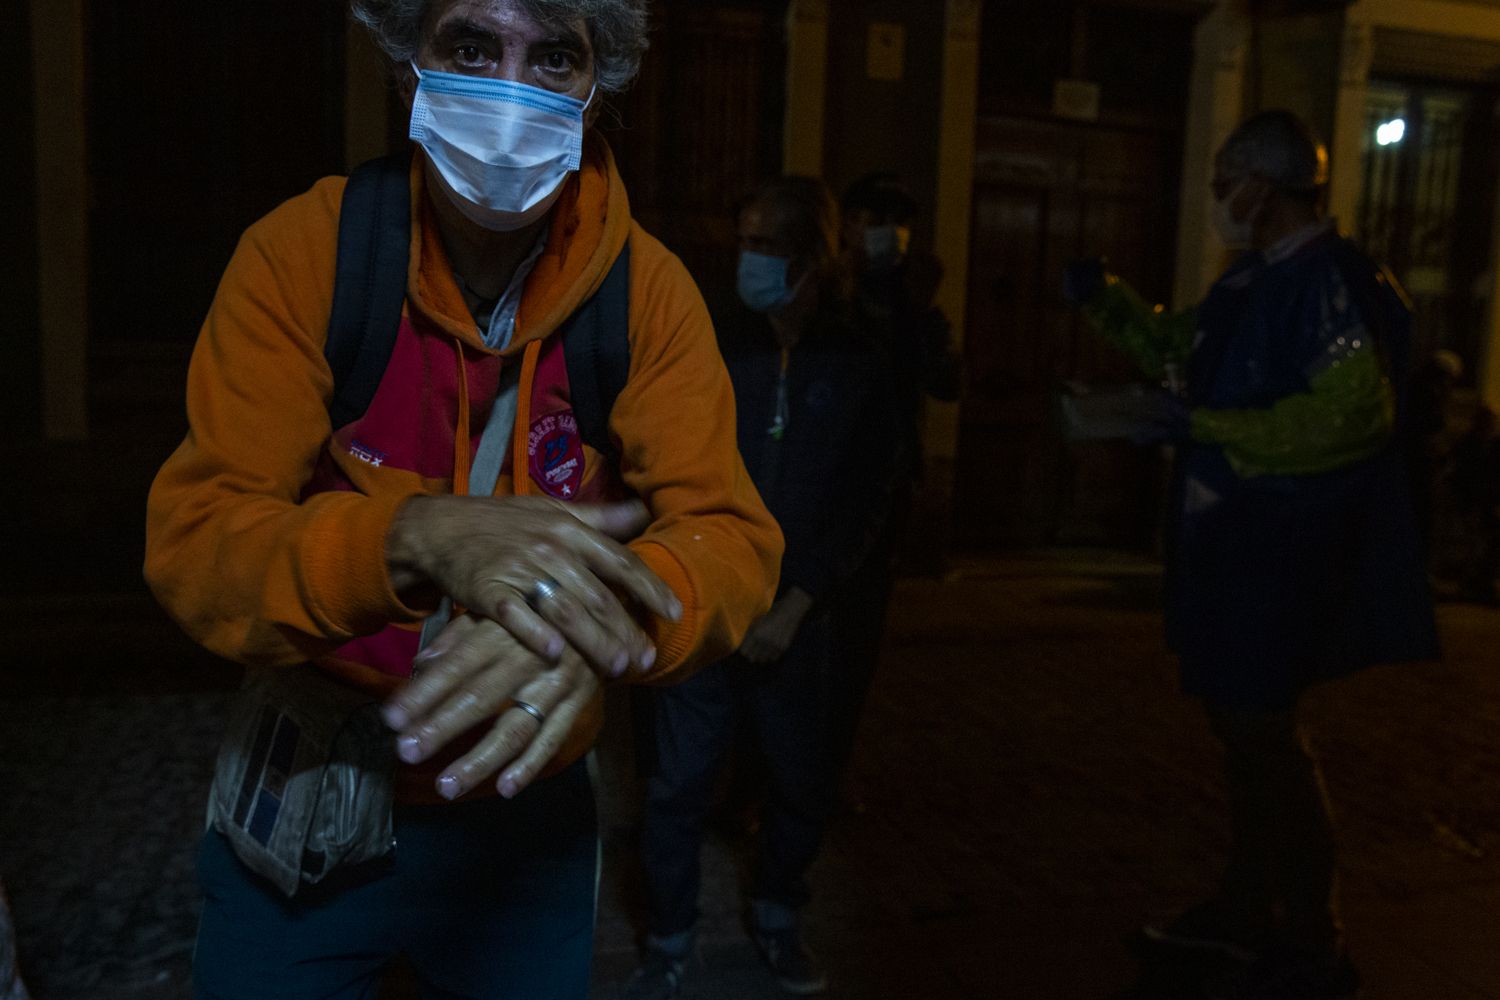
pixel 543 588
pixel 533 711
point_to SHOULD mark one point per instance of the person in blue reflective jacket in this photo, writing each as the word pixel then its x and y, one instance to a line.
pixel 1293 550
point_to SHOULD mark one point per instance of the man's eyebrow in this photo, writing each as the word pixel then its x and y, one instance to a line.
pixel 463 27
pixel 567 37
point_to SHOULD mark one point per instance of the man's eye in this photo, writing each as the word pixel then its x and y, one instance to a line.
pixel 557 62
pixel 469 55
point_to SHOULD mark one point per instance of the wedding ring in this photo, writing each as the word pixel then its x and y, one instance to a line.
pixel 533 711
pixel 543 588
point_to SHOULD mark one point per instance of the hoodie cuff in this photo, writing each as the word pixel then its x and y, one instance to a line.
pixel 347 579
pixel 675 641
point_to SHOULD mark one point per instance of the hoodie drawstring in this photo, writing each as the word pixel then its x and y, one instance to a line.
pixel 521 484
pixel 461 437
pixel 520 453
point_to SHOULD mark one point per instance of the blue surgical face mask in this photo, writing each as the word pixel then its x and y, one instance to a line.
pixel 885 246
pixel 501 150
pixel 762 281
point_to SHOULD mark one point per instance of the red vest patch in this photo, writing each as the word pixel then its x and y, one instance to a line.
pixel 555 453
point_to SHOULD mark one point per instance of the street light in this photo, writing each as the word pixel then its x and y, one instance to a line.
pixel 1391 132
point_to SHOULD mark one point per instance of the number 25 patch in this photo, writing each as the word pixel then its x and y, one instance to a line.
pixel 556 454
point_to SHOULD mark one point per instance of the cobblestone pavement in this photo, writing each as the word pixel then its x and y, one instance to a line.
pixel 1031 785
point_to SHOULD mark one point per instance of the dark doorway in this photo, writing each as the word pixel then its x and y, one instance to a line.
pixel 21 375
pixel 1047 191
pixel 702 124
pixel 1045 194
pixel 202 118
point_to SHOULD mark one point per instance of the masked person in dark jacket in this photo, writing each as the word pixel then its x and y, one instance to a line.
pixel 1294 552
pixel 894 291
pixel 811 402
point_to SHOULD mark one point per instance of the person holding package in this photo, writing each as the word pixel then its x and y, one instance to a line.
pixel 1293 550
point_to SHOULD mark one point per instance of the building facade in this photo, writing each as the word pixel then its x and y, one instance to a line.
pixel 1031 131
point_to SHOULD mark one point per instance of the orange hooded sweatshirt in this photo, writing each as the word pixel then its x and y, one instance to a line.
pixel 262 570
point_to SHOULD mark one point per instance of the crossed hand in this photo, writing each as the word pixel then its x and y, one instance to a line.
pixel 546 587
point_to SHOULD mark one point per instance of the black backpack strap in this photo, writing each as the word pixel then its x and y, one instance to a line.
pixel 596 346
pixel 370 282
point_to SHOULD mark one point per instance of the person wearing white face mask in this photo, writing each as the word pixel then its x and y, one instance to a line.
pixel 895 285
pixel 1294 554
pixel 460 559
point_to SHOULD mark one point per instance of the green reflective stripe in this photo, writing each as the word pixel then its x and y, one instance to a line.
pixel 1151 336
pixel 1345 418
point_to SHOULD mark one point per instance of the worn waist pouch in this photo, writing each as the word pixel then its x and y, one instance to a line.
pixel 303 781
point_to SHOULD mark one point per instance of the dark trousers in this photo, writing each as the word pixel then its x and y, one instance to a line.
pixel 784 709
pixel 859 627
pixel 1281 866
pixel 488 899
pixel 858 618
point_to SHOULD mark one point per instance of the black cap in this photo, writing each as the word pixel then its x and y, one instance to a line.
pixel 880 193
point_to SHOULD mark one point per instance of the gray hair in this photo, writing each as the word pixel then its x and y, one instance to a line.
pixel 617 30
pixel 1278 146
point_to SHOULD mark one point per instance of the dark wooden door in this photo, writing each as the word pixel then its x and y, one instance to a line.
pixel 1047 193
pixel 202 117
pixel 702 124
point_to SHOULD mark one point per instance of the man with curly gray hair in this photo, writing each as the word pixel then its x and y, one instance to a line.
pixel 461 550
pixel 616 28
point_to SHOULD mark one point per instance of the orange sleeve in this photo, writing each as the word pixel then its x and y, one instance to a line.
pixel 712 539
pixel 248 569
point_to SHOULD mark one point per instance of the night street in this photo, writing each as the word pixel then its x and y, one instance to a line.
pixel 1030 788
pixel 636 333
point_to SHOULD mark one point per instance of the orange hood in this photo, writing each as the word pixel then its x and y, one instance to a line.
pixel 590 224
